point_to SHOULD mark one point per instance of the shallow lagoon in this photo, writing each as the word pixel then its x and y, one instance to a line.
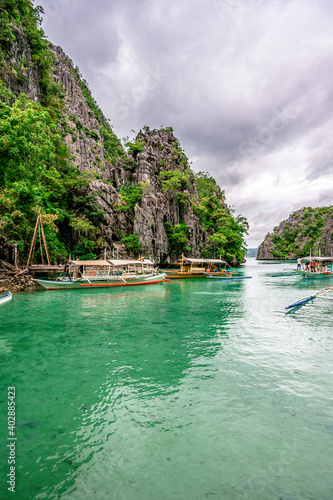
pixel 186 390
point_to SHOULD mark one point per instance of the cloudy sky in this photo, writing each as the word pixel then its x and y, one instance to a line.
pixel 247 86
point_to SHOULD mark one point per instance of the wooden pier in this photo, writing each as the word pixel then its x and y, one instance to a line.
pixel 45 268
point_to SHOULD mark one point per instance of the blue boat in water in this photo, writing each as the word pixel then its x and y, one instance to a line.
pixel 6 298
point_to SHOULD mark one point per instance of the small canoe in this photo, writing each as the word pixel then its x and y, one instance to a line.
pixel 6 298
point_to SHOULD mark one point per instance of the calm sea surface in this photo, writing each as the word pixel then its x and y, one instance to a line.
pixel 187 390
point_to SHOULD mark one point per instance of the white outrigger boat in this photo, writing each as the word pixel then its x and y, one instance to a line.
pixel 323 293
pixel 316 267
pixel 90 274
pixel 6 298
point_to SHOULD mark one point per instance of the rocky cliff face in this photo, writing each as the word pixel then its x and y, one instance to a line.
pixel 308 229
pixel 83 125
pixel 156 208
pixel 153 165
pixel 264 249
pixel 18 71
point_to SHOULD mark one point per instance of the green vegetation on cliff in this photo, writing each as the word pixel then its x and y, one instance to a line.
pixel 36 168
pixel 306 230
pixel 226 233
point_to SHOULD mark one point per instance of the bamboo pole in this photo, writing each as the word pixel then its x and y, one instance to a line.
pixel 44 239
pixel 39 227
pixel 33 239
pixel 40 244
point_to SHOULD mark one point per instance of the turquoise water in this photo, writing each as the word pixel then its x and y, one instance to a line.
pixel 186 390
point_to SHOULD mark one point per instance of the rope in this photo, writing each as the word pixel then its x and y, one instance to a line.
pixel 32 308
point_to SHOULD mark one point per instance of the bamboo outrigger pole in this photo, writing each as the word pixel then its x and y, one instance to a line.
pixel 39 226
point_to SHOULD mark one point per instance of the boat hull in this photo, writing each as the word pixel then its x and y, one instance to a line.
pixel 184 276
pixel 5 298
pixel 82 284
pixel 307 275
pixel 174 275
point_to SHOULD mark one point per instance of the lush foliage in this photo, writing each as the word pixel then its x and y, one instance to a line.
pixel 130 195
pixel 175 181
pixel 134 147
pixel 302 233
pixel 226 233
pixel 36 171
pixel 132 244
pixel 177 236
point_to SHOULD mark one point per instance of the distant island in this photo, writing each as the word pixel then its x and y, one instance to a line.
pixel 308 230
pixel 252 252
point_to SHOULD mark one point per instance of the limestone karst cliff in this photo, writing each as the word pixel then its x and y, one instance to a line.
pixel 306 230
pixel 95 194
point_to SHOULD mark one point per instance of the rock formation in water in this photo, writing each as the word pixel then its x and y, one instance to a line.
pixel 122 200
pixel 306 230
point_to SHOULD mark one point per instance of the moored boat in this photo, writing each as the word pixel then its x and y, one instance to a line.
pixel 105 274
pixel 315 267
pixel 200 268
pixel 189 269
pixel 6 298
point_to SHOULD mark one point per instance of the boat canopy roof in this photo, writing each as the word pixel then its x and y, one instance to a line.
pixel 110 263
pixel 130 262
pixel 203 261
pixel 216 261
pixel 90 263
pixel 194 261
pixel 319 259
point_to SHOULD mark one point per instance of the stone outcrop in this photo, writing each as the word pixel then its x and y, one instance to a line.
pixel 156 207
pixel 8 283
pixel 307 229
pixel 83 136
pixel 7 250
pixel 264 249
pixel 18 71
pixel 99 155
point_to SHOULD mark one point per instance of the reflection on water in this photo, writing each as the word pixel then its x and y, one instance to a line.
pixel 183 390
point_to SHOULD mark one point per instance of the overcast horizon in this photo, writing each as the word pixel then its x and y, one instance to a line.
pixel 246 86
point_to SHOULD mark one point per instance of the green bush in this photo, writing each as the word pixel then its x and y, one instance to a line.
pixel 177 236
pixel 131 195
pixel 132 243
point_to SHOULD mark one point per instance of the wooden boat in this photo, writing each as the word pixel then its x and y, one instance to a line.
pixel 85 274
pixel 323 294
pixel 189 269
pixel 316 267
pixel 6 298
pixel 200 268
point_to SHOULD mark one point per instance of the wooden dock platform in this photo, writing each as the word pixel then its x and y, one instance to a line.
pixel 45 268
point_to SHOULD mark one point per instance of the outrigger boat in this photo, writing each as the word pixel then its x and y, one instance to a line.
pixel 104 274
pixel 200 268
pixel 319 294
pixel 6 298
pixel 316 267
